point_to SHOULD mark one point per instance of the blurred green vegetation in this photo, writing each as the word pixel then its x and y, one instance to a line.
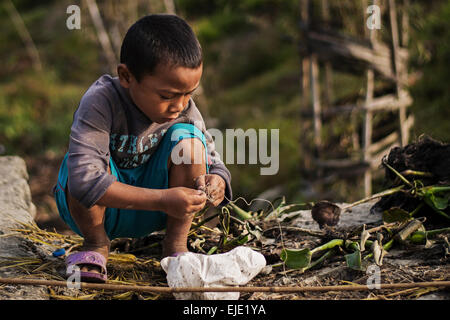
pixel 35 112
pixel 36 107
pixel 431 93
pixel 251 77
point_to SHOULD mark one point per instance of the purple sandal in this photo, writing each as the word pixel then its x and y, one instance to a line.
pixel 87 257
pixel 176 254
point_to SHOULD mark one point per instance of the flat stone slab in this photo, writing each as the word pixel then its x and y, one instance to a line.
pixel 352 217
pixel 15 206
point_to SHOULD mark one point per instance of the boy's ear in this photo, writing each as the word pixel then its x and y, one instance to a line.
pixel 124 75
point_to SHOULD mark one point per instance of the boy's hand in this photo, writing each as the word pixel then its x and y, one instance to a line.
pixel 214 187
pixel 181 202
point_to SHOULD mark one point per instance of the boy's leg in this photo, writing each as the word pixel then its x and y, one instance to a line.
pixel 91 224
pixel 183 175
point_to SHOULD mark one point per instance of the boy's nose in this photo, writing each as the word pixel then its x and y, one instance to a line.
pixel 178 105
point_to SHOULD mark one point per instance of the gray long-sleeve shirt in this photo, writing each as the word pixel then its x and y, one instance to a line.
pixel 108 124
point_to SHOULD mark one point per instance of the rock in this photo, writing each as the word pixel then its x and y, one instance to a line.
pixel 15 195
pixel 356 216
pixel 326 213
pixel 15 205
pixel 359 215
pixel 435 296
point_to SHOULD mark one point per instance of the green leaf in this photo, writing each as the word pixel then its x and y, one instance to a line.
pixel 329 245
pixel 417 237
pixel 212 250
pixel 241 213
pixel 276 207
pixel 243 240
pixel 429 202
pixel 296 259
pixel 440 203
pixel 436 196
pixel 238 241
pixel 353 260
pixel 395 214
pixel 422 236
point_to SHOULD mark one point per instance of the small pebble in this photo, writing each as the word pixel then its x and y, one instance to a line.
pixel 59 252
pixel 286 280
pixel 266 270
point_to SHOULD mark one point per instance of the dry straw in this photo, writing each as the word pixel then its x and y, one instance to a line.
pixel 123 268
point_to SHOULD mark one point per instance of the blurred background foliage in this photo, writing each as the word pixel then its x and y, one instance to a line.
pixel 251 76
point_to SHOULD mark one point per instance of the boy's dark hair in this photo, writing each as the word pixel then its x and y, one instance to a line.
pixel 159 38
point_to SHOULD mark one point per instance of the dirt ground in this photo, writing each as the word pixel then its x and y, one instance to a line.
pixel 402 264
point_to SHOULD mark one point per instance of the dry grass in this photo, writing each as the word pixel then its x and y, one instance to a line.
pixel 123 268
pixel 137 262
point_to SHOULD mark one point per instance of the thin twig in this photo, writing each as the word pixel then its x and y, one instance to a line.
pixel 373 197
pixel 137 288
pixel 416 173
pixel 387 225
pixel 316 233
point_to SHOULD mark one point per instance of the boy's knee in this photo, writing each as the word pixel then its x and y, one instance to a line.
pixel 71 199
pixel 188 151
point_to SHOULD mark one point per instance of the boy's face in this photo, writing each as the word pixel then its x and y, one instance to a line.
pixel 162 95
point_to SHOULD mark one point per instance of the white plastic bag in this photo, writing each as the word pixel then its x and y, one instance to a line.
pixel 233 268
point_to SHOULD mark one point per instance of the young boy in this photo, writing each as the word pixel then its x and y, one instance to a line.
pixel 119 177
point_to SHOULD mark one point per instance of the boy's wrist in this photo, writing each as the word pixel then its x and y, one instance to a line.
pixel 159 199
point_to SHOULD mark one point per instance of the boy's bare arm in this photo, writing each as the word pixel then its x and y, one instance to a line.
pixel 178 202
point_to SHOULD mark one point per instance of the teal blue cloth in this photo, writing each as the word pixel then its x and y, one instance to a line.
pixel 153 175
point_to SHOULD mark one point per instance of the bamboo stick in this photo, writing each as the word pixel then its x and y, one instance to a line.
pixel 315 90
pixel 343 51
pixel 102 35
pixel 170 6
pixel 24 34
pixel 328 87
pixel 304 13
pixel 368 119
pixel 398 69
pixel 405 24
pixel 387 102
pixel 368 132
pixel 114 287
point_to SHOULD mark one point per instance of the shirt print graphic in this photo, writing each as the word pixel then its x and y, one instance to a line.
pixel 130 151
